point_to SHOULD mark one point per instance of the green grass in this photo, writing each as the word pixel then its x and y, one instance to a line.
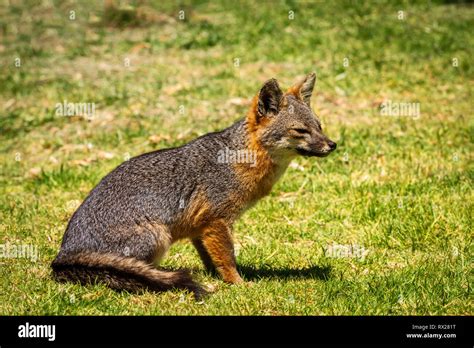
pixel 399 187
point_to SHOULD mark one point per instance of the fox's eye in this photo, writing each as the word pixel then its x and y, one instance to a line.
pixel 300 131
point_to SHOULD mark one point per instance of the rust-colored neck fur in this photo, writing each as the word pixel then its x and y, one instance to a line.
pixel 257 179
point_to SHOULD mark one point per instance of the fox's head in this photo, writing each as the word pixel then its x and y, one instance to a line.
pixel 285 124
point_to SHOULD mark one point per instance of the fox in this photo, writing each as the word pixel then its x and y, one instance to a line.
pixel 127 223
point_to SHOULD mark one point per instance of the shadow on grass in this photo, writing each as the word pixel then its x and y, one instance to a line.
pixel 268 272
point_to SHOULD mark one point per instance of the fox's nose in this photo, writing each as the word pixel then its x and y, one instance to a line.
pixel 332 145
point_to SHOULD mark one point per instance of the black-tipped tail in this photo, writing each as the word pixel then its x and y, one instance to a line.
pixel 121 273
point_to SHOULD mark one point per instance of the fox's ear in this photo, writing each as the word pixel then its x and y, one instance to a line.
pixel 304 89
pixel 269 98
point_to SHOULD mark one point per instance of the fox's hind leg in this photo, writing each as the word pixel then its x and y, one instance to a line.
pixel 163 242
pixel 216 239
pixel 145 241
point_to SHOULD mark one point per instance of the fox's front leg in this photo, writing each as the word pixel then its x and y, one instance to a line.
pixel 204 255
pixel 216 240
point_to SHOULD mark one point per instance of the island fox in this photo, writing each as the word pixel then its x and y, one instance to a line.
pixel 130 219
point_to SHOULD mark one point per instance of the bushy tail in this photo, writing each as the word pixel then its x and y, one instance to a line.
pixel 121 273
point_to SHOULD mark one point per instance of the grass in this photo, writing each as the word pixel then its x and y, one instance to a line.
pixel 398 187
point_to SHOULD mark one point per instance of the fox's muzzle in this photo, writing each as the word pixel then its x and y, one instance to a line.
pixel 317 150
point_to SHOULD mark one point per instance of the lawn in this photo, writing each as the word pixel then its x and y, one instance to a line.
pixel 383 226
